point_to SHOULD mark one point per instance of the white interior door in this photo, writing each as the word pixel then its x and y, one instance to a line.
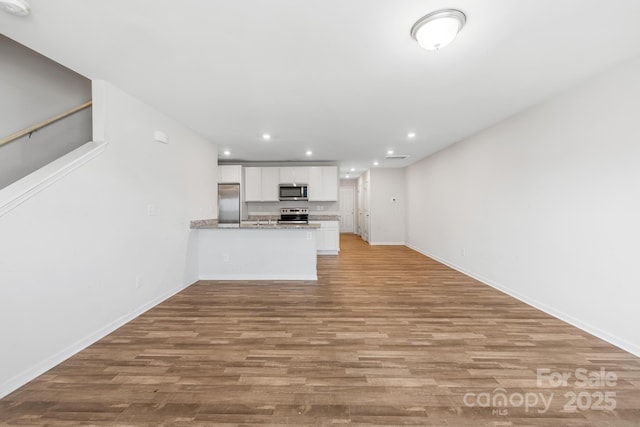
pixel 347 209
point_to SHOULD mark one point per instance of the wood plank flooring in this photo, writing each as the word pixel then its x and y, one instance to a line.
pixel 385 337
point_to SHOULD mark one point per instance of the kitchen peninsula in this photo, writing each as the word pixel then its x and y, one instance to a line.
pixel 255 250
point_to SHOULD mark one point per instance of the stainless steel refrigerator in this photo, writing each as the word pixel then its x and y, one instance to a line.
pixel 229 203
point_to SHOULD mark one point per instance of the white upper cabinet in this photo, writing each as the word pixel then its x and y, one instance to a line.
pixel 270 184
pixel 315 183
pixel 330 183
pixel 229 174
pixel 261 184
pixel 294 175
pixel 323 184
pixel 253 184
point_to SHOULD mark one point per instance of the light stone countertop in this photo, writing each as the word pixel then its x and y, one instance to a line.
pixel 212 224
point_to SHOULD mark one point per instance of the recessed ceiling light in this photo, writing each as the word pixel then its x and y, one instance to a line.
pixel 227 153
pixel 376 163
pixel 347 176
pixel 389 152
pixel 309 153
pixel 353 169
pixel 266 136
pixel 437 29
pixel 16 7
pixel 411 135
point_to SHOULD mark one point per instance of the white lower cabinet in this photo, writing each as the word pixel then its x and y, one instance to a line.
pixel 328 237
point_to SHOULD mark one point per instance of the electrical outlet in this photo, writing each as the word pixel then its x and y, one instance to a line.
pixel 138 282
pixel 225 257
pixel 463 252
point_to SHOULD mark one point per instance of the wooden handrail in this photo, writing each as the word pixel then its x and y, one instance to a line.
pixel 44 123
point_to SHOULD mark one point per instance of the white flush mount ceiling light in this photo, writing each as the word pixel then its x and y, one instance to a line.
pixel 437 29
pixel 16 7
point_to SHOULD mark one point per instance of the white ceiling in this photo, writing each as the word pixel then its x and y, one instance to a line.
pixel 340 77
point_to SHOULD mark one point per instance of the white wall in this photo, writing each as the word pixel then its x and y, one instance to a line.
pixel 29 153
pixel 353 182
pixel 387 206
pixel 71 256
pixel 35 88
pixel 546 206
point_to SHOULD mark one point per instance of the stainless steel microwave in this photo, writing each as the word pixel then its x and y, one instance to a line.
pixel 293 192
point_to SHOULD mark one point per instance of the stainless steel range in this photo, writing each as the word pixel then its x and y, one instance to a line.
pixel 294 216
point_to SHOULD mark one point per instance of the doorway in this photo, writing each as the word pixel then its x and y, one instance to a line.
pixel 347 209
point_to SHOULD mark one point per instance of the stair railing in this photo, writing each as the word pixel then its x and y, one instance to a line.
pixel 44 123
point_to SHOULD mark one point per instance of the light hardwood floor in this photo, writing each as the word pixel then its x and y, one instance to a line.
pixel 385 337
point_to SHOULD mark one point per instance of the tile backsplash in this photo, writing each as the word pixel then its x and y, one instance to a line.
pixel 273 208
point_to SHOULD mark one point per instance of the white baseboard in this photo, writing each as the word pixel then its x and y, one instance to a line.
pixel 295 277
pixel 593 330
pixel 40 368
pixel 387 243
pixel 323 252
